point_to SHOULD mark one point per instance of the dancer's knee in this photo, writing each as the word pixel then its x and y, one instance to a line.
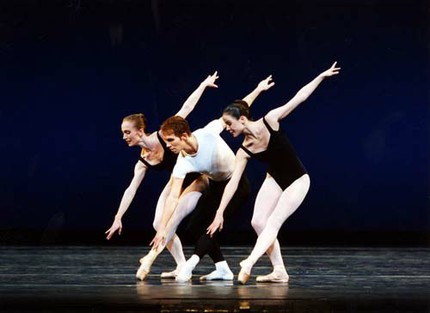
pixel 156 225
pixel 257 225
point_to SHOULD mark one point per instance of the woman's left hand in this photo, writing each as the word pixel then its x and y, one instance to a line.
pixel 159 239
pixel 333 70
pixel 266 84
pixel 217 223
pixel 210 80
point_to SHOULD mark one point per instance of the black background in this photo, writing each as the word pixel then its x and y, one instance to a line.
pixel 70 70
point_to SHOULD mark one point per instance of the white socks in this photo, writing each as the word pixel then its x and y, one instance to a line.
pixel 186 271
pixel 222 272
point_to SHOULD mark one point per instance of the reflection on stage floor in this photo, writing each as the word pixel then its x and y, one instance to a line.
pixel 102 278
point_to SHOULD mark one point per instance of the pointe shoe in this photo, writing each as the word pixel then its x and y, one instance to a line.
pixel 243 277
pixel 274 277
pixel 145 267
pixel 245 272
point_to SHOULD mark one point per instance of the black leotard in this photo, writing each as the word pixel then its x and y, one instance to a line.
pixel 283 164
pixel 169 158
pixel 168 163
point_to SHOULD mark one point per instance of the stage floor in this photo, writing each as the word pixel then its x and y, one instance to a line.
pixel 102 278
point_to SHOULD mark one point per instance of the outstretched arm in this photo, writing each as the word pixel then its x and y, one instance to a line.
pixel 264 85
pixel 229 191
pixel 169 208
pixel 275 115
pixel 139 174
pixel 192 100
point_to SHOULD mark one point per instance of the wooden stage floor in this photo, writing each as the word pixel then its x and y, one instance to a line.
pixel 101 279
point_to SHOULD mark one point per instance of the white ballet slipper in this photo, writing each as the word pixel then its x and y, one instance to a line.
pixel 218 275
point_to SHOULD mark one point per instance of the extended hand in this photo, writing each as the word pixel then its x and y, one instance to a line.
pixel 210 80
pixel 116 226
pixel 333 70
pixel 159 239
pixel 217 223
pixel 266 83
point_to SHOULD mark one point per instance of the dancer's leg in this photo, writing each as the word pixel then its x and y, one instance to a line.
pixel 187 203
pixel 201 219
pixel 289 201
pixel 174 244
pixel 265 204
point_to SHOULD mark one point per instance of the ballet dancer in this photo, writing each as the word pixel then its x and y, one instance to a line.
pixel 202 151
pixel 285 186
pixel 154 154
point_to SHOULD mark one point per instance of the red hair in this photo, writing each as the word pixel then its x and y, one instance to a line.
pixel 176 125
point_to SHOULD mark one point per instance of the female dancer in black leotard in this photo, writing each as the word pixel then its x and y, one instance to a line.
pixel 155 154
pixel 286 183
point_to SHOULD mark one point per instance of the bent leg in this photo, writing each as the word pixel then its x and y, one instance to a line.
pixel 187 202
pixel 174 244
pixel 201 219
pixel 289 201
pixel 205 214
pixel 265 203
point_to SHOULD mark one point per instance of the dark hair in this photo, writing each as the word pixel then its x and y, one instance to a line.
pixel 177 125
pixel 138 119
pixel 237 109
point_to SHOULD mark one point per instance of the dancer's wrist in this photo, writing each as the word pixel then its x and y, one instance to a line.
pixel 118 217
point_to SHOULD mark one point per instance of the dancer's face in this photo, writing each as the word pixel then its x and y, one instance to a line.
pixel 130 133
pixel 233 125
pixel 174 143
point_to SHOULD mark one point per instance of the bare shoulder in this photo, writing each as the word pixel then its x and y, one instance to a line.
pixel 140 166
pixel 154 134
pixel 272 120
pixel 241 154
pixel 258 125
pixel 154 141
pixel 258 139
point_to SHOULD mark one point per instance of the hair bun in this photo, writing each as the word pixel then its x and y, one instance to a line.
pixel 238 108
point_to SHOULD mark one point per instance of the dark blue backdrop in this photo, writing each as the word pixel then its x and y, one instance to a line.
pixel 70 70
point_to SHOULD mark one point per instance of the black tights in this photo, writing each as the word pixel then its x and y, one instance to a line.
pixel 204 214
pixel 209 246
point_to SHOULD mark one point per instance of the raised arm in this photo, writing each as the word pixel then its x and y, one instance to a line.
pixel 169 208
pixel 192 100
pixel 264 85
pixel 139 174
pixel 229 191
pixel 275 115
